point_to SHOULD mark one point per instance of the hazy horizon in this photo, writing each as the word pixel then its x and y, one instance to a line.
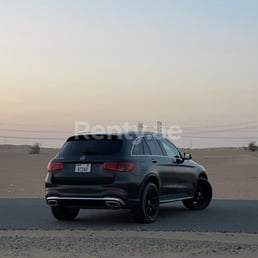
pixel 190 64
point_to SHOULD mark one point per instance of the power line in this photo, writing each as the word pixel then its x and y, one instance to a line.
pixel 183 136
pixel 220 137
pixel 32 131
pixel 224 125
pixel 32 138
pixel 213 130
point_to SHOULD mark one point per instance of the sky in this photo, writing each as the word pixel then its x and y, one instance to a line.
pixel 108 62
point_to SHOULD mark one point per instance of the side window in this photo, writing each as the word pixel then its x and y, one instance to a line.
pixel 146 147
pixel 138 147
pixel 170 149
pixel 154 146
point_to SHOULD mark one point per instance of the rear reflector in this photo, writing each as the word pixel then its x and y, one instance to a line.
pixel 54 166
pixel 118 166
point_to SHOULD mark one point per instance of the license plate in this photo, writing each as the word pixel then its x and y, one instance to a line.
pixel 82 168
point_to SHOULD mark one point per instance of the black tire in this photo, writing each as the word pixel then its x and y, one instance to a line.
pixel 148 209
pixel 62 213
pixel 202 197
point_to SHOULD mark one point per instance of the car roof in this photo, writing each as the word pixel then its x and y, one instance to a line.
pixel 119 134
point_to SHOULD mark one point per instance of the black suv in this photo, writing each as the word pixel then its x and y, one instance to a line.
pixel 133 170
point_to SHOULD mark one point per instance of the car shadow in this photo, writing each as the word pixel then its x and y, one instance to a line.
pixel 123 218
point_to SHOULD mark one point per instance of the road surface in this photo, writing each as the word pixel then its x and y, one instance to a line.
pixel 222 216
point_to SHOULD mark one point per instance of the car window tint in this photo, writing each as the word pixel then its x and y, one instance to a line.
pixel 138 147
pixel 146 148
pixel 91 147
pixel 154 146
pixel 170 149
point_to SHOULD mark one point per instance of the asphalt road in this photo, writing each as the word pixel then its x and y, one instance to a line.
pixel 221 216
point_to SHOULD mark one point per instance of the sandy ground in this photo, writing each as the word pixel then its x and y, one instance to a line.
pixel 232 172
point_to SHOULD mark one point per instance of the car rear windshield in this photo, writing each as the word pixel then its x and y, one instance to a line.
pixel 91 146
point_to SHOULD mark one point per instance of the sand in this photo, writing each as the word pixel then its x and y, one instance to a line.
pixel 232 172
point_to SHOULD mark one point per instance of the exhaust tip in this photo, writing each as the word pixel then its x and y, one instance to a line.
pixel 113 204
pixel 52 202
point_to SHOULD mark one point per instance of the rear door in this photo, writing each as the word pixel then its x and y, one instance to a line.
pixel 182 175
pixel 162 164
pixel 83 158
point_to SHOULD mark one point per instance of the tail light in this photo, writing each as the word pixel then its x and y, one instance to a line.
pixel 54 166
pixel 118 166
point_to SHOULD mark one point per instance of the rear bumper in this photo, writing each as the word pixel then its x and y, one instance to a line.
pixel 115 196
pixel 87 202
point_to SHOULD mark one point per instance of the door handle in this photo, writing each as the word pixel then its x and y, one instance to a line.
pixel 154 161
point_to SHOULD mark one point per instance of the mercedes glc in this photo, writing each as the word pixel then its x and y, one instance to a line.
pixel 132 170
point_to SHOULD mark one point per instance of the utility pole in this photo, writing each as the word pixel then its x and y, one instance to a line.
pixel 140 126
pixel 159 127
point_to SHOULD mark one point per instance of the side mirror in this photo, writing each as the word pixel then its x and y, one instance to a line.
pixel 187 156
